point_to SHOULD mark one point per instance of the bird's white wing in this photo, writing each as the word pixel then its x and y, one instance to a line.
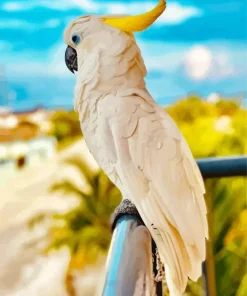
pixel 161 177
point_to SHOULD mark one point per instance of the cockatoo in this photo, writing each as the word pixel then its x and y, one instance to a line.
pixel 135 141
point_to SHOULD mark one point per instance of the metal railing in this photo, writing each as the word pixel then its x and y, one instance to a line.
pixel 129 262
pixel 219 167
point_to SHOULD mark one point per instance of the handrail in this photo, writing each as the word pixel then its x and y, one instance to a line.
pixel 218 167
pixel 129 264
pixel 128 259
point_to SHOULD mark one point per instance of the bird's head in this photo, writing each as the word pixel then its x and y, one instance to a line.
pixel 77 34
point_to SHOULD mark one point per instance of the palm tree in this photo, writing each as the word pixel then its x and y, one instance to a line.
pixel 84 229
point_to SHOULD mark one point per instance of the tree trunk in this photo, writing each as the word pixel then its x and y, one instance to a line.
pixel 69 281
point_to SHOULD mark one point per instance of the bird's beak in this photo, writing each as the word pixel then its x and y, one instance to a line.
pixel 71 59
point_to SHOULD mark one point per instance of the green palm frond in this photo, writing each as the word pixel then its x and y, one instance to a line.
pixel 86 227
pixel 95 235
pixel 67 187
pixel 75 219
pixel 84 169
pixel 39 218
pixel 71 241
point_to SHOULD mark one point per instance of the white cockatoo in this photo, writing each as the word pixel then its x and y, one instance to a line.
pixel 135 141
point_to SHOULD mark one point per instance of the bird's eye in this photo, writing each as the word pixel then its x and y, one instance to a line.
pixel 76 39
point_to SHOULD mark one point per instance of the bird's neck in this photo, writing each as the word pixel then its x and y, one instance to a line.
pixel 109 68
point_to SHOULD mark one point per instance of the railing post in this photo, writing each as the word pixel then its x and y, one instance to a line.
pixel 129 263
pixel 217 167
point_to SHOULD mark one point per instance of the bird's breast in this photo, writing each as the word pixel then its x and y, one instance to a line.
pixel 97 134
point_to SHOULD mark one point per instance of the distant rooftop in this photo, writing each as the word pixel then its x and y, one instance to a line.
pixel 38 108
pixel 4 110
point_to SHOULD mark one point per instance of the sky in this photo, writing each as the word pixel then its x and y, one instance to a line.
pixel 195 47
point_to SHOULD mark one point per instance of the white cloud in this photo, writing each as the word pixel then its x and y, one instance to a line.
pixel 222 67
pixel 54 4
pixel 202 63
pixel 22 24
pixel 13 6
pixel 15 24
pixel 175 12
pixel 87 5
pixel 198 62
pixel 52 23
pixel 213 98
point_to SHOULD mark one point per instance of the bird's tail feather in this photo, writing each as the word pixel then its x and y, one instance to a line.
pixel 181 260
pixel 184 262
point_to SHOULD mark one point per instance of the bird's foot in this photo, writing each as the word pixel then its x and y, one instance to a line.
pixel 126 207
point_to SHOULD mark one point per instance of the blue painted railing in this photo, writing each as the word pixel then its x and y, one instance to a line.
pixel 118 253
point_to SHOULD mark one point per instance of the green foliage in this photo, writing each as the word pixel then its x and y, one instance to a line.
pixel 219 130
pixel 242 290
pixel 66 125
pixel 234 254
pixel 85 229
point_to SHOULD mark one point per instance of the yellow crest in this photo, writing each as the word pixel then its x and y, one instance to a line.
pixel 138 22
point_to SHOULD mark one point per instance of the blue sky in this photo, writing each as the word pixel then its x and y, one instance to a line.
pixel 195 47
